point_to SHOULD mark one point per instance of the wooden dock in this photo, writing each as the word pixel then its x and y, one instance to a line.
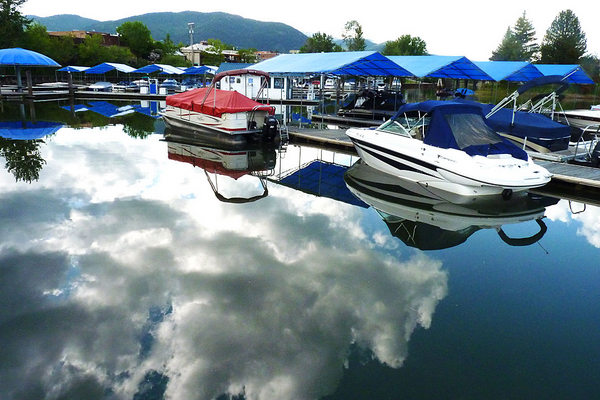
pixel 344 121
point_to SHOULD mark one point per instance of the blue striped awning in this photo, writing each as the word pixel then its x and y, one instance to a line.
pixel 356 63
pixel 572 72
pixel 107 67
pixel 454 67
pixel 72 68
pixel 513 71
pixel 162 68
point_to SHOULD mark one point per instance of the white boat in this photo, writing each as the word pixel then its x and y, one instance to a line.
pixel 448 147
pixel 582 118
pixel 101 87
pixel 222 112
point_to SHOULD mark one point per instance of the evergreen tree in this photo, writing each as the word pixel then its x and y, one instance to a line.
pixel 509 49
pixel 320 43
pixel 524 34
pixel 12 23
pixel 564 42
pixel 353 36
pixel 405 45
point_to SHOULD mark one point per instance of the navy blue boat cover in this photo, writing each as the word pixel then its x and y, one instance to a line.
pixel 461 126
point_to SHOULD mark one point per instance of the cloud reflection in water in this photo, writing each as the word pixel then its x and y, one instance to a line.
pixel 266 298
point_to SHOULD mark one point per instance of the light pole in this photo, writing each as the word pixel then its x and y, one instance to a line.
pixel 191 32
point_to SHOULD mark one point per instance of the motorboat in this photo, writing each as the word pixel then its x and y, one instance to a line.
pixel 526 125
pixel 372 104
pixel 447 146
pixel 427 221
pixel 223 159
pixel 582 118
pixel 222 112
pixel 101 87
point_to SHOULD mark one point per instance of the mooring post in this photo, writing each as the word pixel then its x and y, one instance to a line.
pixel 70 84
pixel 29 83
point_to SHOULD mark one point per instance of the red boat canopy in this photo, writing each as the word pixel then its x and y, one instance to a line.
pixel 217 102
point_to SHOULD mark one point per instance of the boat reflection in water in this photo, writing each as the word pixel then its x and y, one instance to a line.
pixel 222 158
pixel 427 221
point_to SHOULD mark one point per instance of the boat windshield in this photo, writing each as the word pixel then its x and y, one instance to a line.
pixel 471 130
pixel 408 124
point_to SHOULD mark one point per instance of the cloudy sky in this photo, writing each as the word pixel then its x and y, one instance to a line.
pixel 464 27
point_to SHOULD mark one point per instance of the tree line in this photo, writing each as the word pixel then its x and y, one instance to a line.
pixel 136 45
pixel 563 43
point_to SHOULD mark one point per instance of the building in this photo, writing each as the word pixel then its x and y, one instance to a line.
pixel 194 53
pixel 108 39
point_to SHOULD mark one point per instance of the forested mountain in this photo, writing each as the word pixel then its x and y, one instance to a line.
pixel 231 29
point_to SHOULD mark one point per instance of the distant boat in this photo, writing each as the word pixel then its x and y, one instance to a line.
pixel 372 104
pixel 215 112
pixel 101 87
pixel 448 147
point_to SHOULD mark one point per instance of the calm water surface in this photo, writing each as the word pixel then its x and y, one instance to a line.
pixel 123 276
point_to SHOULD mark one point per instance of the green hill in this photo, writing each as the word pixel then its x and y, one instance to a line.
pixel 231 29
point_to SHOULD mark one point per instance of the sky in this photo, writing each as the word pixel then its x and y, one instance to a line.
pixel 458 28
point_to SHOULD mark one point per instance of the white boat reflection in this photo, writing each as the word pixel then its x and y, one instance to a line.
pixel 224 159
pixel 427 221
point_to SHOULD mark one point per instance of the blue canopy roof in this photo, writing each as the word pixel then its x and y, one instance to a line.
pixel 26 130
pixel 358 63
pixel 197 70
pixel 513 71
pixel 441 67
pixel 163 68
pixel 25 58
pixel 72 68
pixel 107 67
pixel 227 66
pixel 573 72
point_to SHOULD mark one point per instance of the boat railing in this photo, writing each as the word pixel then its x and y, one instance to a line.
pixel 587 146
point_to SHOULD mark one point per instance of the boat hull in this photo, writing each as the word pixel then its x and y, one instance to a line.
pixel 229 129
pixel 445 170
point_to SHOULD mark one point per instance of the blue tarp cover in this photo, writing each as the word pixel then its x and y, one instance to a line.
pixel 27 58
pixel 358 63
pixel 322 179
pixel 536 127
pixel 26 130
pixel 107 67
pixel 575 73
pixel 440 134
pixel 513 71
pixel 441 67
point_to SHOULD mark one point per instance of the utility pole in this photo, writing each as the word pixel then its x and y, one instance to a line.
pixel 191 32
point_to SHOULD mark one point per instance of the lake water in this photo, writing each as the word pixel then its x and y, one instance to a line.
pixel 135 268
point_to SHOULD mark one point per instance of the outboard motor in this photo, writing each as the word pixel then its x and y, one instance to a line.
pixel 270 128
